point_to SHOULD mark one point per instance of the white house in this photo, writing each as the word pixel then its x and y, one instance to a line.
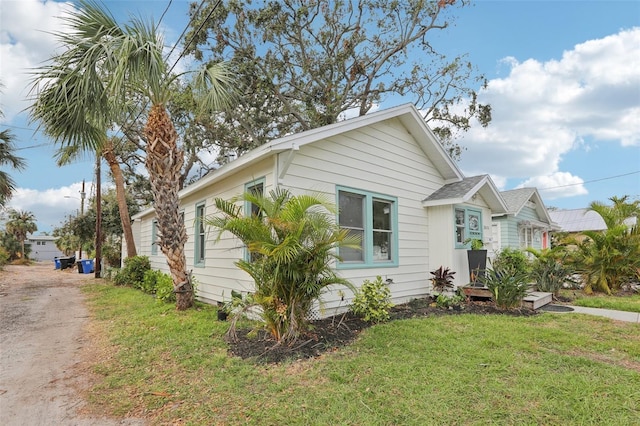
pixel 43 248
pixel 392 181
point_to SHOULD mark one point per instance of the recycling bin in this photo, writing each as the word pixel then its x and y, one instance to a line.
pixel 87 266
pixel 56 261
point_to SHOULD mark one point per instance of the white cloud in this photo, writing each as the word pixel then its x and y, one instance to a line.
pixel 25 43
pixel 543 110
pixel 50 207
pixel 556 185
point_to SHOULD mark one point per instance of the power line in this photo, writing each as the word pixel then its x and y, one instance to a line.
pixel 590 181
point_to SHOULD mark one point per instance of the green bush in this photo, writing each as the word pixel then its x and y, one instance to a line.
pixel 444 301
pixel 507 287
pixel 373 301
pixel 551 270
pixel 513 260
pixel 164 288
pixel 4 257
pixel 132 274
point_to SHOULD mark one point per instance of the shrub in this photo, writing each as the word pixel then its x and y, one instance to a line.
pixel 4 257
pixel 373 301
pixel 292 242
pixel 442 279
pixel 507 287
pixel 513 260
pixel 132 273
pixel 164 288
pixel 446 302
pixel 550 269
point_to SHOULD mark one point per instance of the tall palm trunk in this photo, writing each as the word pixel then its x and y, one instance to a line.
pixel 164 163
pixel 125 219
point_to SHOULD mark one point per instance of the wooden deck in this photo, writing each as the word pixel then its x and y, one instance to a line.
pixel 533 300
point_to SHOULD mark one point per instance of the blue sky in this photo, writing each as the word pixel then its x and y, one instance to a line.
pixel 564 84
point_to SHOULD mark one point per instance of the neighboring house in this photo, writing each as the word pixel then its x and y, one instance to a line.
pixel 43 248
pixel 527 222
pixel 392 181
pixel 576 221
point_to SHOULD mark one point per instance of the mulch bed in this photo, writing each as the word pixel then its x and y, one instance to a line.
pixel 334 332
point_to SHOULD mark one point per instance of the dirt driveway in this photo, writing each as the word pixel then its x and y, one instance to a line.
pixel 42 337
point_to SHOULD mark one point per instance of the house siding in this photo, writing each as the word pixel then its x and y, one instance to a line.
pixel 368 159
pixel 382 158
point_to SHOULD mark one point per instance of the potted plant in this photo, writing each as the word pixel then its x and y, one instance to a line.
pixel 477 258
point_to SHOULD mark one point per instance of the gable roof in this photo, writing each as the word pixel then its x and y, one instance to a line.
pixel 516 199
pixel 464 190
pixel 407 114
pixel 577 220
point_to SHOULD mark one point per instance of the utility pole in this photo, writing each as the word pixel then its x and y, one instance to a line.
pixel 82 195
pixel 97 266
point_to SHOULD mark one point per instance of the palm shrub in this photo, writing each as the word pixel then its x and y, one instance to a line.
pixel 551 269
pixel 372 301
pixel 507 286
pixel 609 258
pixel 291 242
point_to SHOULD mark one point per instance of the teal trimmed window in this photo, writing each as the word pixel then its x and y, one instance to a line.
pixel 468 226
pixel 373 218
pixel 199 235
pixel 154 238
pixel 257 187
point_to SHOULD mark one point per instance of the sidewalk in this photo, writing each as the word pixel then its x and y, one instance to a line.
pixel 608 313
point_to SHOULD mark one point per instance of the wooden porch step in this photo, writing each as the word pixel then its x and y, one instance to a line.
pixel 537 299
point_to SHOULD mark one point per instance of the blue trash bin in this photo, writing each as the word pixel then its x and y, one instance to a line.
pixel 87 266
pixel 57 263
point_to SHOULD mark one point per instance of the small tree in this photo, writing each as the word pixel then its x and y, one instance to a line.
pixel 291 243
pixel 20 224
pixel 607 258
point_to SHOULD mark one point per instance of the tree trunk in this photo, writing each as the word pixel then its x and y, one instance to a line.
pixel 118 179
pixel 164 164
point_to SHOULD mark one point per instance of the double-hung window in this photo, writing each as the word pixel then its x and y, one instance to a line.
pixel 468 226
pixel 255 187
pixel 199 235
pixel 372 218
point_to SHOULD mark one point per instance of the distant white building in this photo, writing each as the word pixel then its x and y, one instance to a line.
pixel 43 248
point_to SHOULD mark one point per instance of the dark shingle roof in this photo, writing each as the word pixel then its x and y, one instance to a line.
pixel 516 198
pixel 455 189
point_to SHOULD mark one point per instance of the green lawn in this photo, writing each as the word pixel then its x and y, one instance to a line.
pixel 466 370
pixel 627 303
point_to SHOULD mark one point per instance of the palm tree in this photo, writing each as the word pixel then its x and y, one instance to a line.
pixel 607 258
pixel 8 158
pixel 20 224
pixel 291 241
pixel 67 154
pixel 86 88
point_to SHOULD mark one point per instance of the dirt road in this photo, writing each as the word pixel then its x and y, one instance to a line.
pixel 42 321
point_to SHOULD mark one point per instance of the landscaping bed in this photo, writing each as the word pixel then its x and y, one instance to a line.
pixel 334 332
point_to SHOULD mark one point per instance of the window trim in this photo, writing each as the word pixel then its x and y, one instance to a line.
pixel 467 233
pixel 199 252
pixel 368 198
pixel 247 207
pixel 154 237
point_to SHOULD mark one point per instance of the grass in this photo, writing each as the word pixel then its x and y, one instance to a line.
pixel 626 303
pixel 172 367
